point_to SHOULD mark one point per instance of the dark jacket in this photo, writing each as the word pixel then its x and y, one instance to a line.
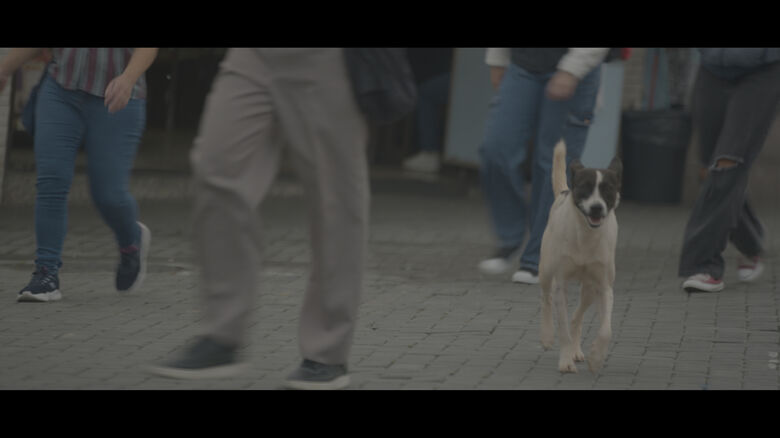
pixel 538 60
pixel 733 62
pixel 429 62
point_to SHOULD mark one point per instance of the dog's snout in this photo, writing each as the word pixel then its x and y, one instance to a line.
pixel 596 210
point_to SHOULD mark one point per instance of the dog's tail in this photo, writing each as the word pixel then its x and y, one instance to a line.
pixel 559 169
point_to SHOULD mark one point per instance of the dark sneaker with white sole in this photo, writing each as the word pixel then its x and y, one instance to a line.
pixel 205 359
pixel 312 375
pixel 43 287
pixel 131 272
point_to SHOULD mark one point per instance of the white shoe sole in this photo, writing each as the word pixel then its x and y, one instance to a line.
pixel 748 275
pixel 699 286
pixel 29 297
pixel 494 266
pixel 219 372
pixel 146 240
pixel 524 278
pixel 337 383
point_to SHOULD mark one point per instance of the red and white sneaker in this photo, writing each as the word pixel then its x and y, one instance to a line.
pixel 749 268
pixel 702 283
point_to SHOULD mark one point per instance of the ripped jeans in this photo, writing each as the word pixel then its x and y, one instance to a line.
pixel 732 118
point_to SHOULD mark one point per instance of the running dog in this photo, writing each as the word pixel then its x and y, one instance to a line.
pixel 578 245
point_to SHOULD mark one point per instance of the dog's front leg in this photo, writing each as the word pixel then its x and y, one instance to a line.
pixel 566 358
pixel 598 351
pixel 587 295
pixel 547 330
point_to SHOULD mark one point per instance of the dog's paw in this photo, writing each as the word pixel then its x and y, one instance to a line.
pixel 598 354
pixel 579 356
pixel 567 366
pixel 547 336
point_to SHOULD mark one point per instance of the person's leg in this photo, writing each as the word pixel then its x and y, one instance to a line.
pixel 433 96
pixel 327 135
pixel 721 201
pixel 58 136
pixel 581 115
pixel 511 121
pixel 111 143
pixel 59 131
pixel 234 161
pixel 558 119
pixel 430 114
pixel 708 110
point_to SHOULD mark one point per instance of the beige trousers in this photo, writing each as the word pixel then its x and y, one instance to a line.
pixel 263 99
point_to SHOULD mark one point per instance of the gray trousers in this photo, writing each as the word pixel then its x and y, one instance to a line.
pixel 260 100
pixel 732 119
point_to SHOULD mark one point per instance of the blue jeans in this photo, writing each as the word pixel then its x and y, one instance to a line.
pixel 519 113
pixel 66 119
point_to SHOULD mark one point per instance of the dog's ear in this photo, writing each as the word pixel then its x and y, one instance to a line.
pixel 575 166
pixel 617 166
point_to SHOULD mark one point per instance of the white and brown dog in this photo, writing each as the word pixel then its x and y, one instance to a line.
pixel 578 245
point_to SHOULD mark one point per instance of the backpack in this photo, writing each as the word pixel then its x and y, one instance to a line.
pixel 382 82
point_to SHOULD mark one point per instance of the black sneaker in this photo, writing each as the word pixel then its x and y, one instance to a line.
pixel 131 271
pixel 44 286
pixel 206 359
pixel 314 375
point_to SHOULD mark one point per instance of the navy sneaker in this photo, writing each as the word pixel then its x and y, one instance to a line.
pixel 131 271
pixel 205 359
pixel 314 375
pixel 44 286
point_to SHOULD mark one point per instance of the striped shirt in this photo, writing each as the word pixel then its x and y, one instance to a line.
pixel 91 69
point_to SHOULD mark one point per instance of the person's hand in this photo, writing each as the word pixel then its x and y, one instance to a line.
pixel 118 93
pixel 562 85
pixel 496 75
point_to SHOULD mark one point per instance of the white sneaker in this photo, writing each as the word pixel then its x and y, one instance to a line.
pixel 749 269
pixel 526 277
pixel 702 283
pixel 501 261
pixel 427 162
pixel 494 266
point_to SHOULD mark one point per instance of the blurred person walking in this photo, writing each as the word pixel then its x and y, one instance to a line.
pixel 543 94
pixel 261 97
pixel 432 67
pixel 93 97
pixel 735 101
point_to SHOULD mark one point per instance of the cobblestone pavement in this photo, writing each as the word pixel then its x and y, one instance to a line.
pixel 428 319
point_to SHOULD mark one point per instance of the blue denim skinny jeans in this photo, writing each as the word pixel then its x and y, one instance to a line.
pixel 66 120
pixel 520 112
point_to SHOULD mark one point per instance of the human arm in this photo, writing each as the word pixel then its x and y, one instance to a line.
pixel 120 89
pixel 15 59
pixel 572 67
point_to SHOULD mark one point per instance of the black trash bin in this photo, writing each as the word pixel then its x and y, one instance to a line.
pixel 654 144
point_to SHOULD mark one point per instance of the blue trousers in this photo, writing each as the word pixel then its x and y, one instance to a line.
pixel 520 112
pixel 66 120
